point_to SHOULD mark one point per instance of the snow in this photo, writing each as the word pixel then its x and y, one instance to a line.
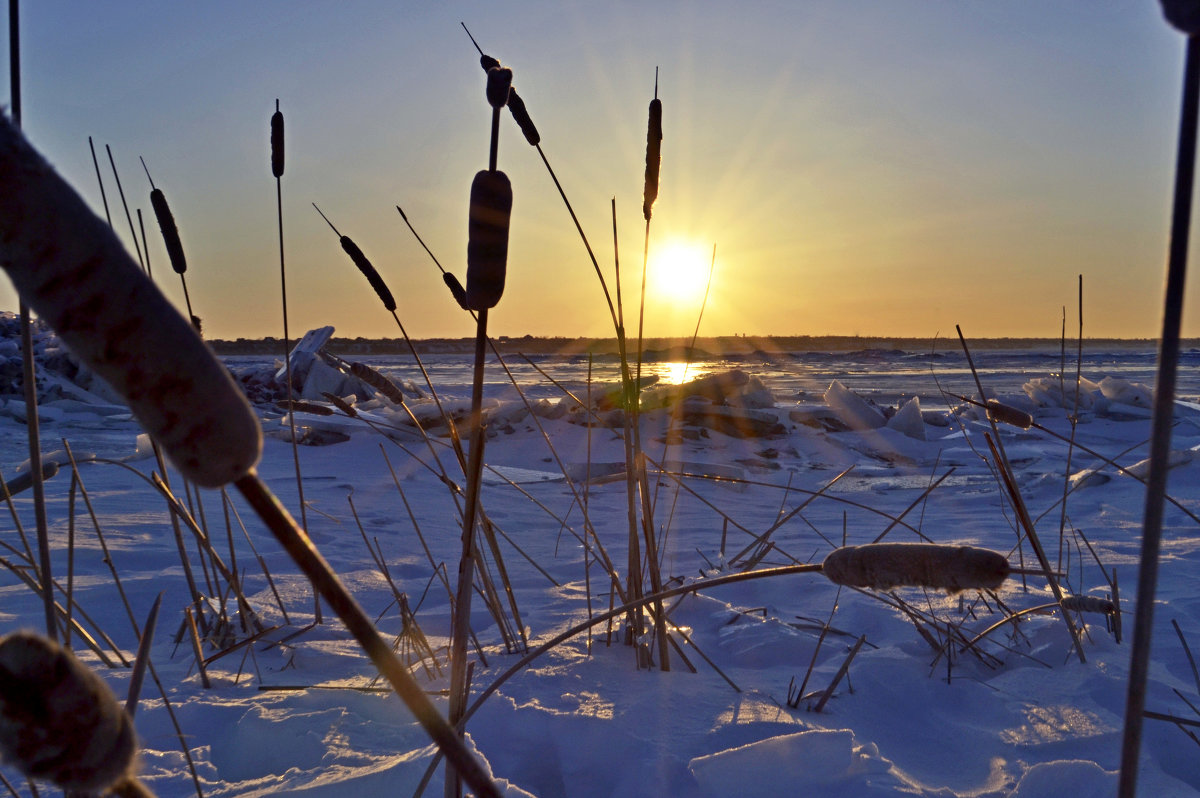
pixel 297 711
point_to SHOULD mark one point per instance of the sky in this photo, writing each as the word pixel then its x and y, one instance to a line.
pixel 884 168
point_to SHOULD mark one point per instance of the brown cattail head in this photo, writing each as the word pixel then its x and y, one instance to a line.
pixel 170 233
pixel 378 381
pixel 364 266
pixel 300 406
pixel 71 269
pixel 277 142
pixel 1183 14
pixel 886 565
pixel 487 243
pixel 653 157
pixel 499 82
pixel 1004 414
pixel 487 62
pixel 456 289
pixel 61 722
pixel 517 106
pixel 340 404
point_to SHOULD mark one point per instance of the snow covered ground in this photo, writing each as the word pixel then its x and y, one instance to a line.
pixel 919 712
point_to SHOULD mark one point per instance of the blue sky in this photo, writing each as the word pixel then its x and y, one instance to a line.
pixel 875 168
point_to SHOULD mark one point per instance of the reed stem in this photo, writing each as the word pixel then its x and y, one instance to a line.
pixel 1160 439
pixel 326 582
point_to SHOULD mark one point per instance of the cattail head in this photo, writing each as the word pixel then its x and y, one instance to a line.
pixel 886 565
pixel 487 243
pixel 653 157
pixel 517 106
pixel 61 722
pixel 364 266
pixel 456 289
pixel 25 481
pixel 1004 414
pixel 499 82
pixel 71 268
pixel 170 233
pixel 487 62
pixel 340 404
pixel 277 142
pixel 378 381
pixel 1088 604
pixel 300 406
pixel 1183 14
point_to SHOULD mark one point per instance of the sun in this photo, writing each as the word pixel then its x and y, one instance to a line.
pixel 678 271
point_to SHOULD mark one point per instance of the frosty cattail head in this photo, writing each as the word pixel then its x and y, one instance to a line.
pixel 1088 604
pixel 378 381
pixel 364 266
pixel 456 289
pixel 277 142
pixel 653 157
pixel 61 722
pixel 517 107
pixel 70 267
pixel 499 82
pixel 487 243
pixel 170 233
pixel 886 565
pixel 25 481
pixel 1183 14
pixel 1004 414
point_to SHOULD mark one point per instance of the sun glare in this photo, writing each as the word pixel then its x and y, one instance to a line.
pixel 678 272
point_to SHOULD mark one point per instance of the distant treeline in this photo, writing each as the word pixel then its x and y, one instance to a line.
pixel 677 348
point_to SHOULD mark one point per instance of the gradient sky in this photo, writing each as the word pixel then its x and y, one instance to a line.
pixel 882 168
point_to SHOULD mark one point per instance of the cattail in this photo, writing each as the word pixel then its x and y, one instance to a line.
pixel 170 233
pixel 487 243
pixel 487 62
pixel 378 381
pixel 517 106
pixel 61 721
pixel 340 404
pixel 653 155
pixel 1088 604
pixel 277 142
pixel 300 406
pixel 1183 14
pixel 1004 414
pixel 886 565
pixel 24 481
pixel 456 289
pixel 74 272
pixel 364 266
pixel 499 86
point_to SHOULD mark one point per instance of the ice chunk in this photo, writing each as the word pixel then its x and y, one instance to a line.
pixel 854 411
pixel 909 420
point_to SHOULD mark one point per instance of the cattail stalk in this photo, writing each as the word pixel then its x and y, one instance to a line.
pixel 277 165
pixel 72 269
pixel 1160 439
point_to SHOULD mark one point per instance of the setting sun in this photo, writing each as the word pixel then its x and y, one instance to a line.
pixel 678 272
